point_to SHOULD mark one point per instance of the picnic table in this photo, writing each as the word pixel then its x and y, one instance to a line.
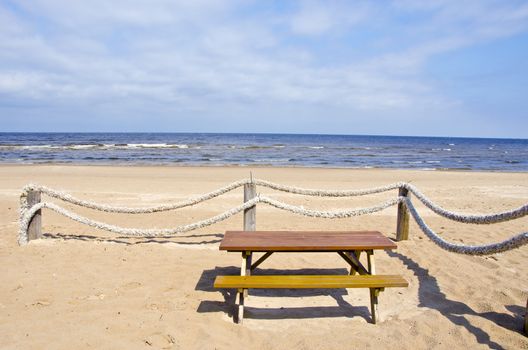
pixel 349 245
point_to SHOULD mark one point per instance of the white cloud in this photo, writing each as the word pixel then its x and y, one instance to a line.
pixel 316 18
pixel 199 55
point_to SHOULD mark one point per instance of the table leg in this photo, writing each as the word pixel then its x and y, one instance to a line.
pixel 357 255
pixel 241 305
pixel 374 292
pixel 353 270
pixel 370 262
pixel 245 269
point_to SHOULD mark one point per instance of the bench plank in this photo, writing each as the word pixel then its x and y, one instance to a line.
pixel 310 281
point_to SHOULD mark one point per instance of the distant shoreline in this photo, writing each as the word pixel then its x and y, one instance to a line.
pixel 249 167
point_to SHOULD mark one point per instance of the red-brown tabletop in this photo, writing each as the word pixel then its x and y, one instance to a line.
pixel 309 241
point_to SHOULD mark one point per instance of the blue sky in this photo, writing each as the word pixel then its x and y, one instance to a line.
pixel 409 67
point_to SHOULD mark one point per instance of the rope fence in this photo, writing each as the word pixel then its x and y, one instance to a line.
pixel 31 211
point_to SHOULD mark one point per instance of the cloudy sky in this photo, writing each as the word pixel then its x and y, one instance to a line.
pixel 409 67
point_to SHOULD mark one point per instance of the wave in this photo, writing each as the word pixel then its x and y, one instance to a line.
pixel 81 147
pixel 94 146
pixel 406 162
pixel 252 147
pixel 271 160
pixel 157 145
pixel 257 146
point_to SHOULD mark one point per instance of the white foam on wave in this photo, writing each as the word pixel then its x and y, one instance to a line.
pixel 39 147
pixel 96 146
pixel 271 160
pixel 155 145
pixel 82 146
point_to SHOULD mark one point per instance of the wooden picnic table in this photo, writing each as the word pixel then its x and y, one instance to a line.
pixel 348 244
pixel 297 241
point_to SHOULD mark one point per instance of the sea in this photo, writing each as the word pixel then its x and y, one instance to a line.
pixel 281 150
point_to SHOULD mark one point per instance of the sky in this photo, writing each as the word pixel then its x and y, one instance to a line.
pixel 408 67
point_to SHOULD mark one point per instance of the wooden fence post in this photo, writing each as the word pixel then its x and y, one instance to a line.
pixel 402 225
pixel 250 214
pixel 35 225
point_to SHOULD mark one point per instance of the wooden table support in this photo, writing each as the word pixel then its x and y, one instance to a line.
pixel 370 262
pixel 355 266
pixel 260 260
pixel 374 292
pixel 241 293
pixel 352 258
pixel 245 270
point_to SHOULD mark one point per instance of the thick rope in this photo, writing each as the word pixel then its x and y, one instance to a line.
pixel 126 210
pixel 468 218
pixel 327 193
pixel 28 215
pixel 204 197
pixel 460 217
pixel 335 214
pixel 485 249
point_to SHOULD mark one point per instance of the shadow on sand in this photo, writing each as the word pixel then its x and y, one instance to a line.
pixel 430 296
pixel 126 240
pixel 228 306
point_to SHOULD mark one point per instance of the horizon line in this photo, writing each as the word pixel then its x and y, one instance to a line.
pixel 254 133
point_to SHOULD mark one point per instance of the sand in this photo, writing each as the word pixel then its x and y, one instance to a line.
pixel 79 288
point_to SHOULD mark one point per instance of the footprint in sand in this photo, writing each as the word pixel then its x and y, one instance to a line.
pixel 490 262
pixel 160 341
pixel 41 303
pixel 131 285
pixel 166 306
pixel 77 300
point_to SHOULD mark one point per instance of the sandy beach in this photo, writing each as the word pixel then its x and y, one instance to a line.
pixel 80 288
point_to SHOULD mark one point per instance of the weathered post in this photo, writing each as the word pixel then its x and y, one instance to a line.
pixel 250 224
pixel 250 214
pixel 35 225
pixel 402 225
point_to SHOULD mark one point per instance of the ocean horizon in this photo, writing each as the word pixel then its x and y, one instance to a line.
pixel 252 149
